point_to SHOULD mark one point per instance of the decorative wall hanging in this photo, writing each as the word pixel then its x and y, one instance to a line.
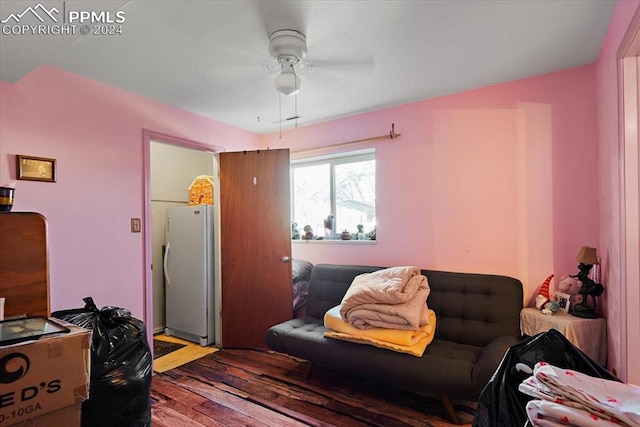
pixel 35 168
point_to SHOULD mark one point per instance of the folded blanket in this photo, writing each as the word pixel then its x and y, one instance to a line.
pixel 392 298
pixel 543 413
pixel 601 398
pixel 400 340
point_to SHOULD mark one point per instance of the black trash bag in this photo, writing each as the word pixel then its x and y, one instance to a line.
pixel 501 404
pixel 120 366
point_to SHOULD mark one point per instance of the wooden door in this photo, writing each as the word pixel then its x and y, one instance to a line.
pixel 255 233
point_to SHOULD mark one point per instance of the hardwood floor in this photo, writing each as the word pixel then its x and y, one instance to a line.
pixel 260 388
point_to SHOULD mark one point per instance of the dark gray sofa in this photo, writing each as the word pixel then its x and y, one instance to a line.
pixel 478 319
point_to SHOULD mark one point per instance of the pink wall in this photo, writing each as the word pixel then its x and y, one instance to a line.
pixel 500 180
pixel 609 178
pixel 95 133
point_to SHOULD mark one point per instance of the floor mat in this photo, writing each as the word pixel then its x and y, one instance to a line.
pixel 162 348
pixel 188 353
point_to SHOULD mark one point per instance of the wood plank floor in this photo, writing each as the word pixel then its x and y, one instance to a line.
pixel 261 388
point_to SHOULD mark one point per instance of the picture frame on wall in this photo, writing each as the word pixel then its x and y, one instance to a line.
pixel 563 300
pixel 33 168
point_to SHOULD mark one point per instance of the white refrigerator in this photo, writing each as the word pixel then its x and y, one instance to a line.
pixel 189 273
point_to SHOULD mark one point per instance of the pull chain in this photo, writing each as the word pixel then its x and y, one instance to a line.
pixel 280 113
pixel 296 101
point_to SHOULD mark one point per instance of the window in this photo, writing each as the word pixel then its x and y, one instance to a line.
pixel 332 194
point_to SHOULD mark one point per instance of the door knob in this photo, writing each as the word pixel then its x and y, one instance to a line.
pixel 286 259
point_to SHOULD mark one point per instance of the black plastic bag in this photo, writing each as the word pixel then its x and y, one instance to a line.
pixel 501 404
pixel 121 366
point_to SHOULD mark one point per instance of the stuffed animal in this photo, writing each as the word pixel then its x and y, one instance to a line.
pixel 308 233
pixel 543 298
pixel 295 233
pixel 571 286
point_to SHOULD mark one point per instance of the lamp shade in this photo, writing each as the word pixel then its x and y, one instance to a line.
pixel 587 255
pixel 287 83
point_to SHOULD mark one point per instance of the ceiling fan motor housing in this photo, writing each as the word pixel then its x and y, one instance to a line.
pixel 288 43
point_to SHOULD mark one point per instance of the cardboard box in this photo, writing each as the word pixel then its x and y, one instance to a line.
pixel 69 416
pixel 53 373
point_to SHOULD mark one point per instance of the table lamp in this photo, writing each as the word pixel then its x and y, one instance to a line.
pixel 587 258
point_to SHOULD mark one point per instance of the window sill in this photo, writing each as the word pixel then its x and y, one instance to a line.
pixel 335 241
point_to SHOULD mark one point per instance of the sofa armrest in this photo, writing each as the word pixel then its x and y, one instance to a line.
pixel 489 359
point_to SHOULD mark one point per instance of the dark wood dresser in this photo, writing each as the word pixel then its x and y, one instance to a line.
pixel 24 264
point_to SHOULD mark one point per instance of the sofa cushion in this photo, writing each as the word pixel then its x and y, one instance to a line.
pixel 295 336
pixel 474 308
pixel 488 359
pixel 329 286
pixel 300 270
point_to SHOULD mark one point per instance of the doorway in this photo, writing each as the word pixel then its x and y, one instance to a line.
pixel 629 152
pixel 170 165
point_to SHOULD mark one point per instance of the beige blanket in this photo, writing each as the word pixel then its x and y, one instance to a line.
pixel 394 298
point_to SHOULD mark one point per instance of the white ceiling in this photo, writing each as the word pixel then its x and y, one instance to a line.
pixel 211 57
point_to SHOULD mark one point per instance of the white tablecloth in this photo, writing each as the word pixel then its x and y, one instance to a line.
pixel 589 335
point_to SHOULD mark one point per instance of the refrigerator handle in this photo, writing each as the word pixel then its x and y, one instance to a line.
pixel 164 266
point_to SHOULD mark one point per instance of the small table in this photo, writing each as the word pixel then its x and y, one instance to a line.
pixel 589 335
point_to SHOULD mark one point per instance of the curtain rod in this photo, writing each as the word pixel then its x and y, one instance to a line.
pixel 391 135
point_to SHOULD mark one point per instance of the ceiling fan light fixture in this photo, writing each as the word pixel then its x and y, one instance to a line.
pixel 287 83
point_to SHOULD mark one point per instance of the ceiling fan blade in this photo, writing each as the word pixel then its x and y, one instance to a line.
pixel 230 64
pixel 365 62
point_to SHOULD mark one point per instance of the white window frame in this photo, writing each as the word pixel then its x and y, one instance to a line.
pixel 333 160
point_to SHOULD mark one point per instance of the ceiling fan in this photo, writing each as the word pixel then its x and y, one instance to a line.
pixel 289 64
pixel 288 47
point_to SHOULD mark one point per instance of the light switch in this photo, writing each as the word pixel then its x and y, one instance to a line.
pixel 135 225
